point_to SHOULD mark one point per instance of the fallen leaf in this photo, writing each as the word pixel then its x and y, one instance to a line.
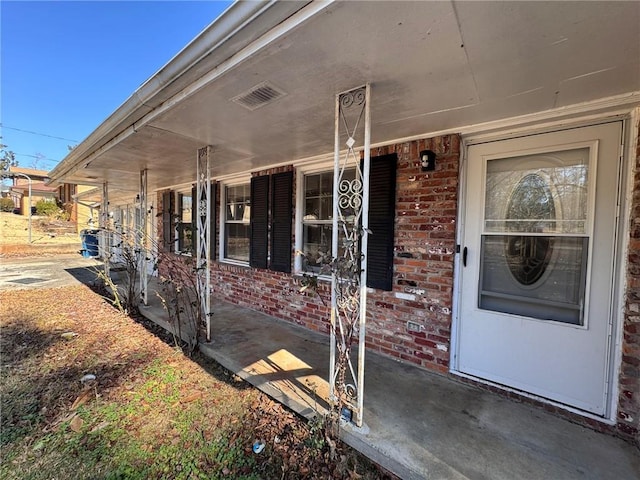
pixel 76 424
pixel 81 400
pixel 191 398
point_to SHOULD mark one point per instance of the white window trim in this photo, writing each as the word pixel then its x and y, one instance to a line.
pixel 301 172
pixel 243 180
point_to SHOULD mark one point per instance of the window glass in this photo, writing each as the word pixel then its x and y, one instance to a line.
pixel 534 248
pixel 317 222
pixel 544 193
pixel 183 226
pixel 186 210
pixel 237 216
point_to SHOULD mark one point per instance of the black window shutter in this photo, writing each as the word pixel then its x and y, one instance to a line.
pixel 194 220
pixel 180 225
pixel 281 207
pixel 212 220
pixel 382 198
pixel 167 221
pixel 259 236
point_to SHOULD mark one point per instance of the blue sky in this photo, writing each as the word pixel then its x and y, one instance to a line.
pixel 66 66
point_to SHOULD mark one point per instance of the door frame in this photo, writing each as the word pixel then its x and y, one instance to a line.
pixel 630 121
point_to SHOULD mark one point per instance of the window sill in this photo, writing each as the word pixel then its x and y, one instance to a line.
pixel 321 278
pixel 237 263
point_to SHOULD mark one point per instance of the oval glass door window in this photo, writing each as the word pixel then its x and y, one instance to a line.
pixel 534 245
pixel 528 256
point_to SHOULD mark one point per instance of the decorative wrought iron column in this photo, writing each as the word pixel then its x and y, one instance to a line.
pixel 105 233
pixel 349 272
pixel 202 208
pixel 143 236
pixel 118 233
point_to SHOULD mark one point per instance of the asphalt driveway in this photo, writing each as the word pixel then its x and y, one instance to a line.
pixel 47 272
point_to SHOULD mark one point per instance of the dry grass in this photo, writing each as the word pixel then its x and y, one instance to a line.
pixel 14 230
pixel 151 412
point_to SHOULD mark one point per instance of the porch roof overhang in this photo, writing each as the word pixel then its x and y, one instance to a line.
pixel 433 66
pixel 93 197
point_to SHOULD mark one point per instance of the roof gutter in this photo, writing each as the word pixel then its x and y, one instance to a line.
pixel 232 20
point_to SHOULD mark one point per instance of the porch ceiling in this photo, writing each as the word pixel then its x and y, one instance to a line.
pixel 433 66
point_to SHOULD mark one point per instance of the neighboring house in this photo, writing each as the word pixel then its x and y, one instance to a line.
pixel 62 195
pixel 19 191
pixel 515 264
pixel 82 213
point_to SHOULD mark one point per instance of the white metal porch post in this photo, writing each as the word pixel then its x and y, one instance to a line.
pixel 202 208
pixel 349 247
pixel 142 236
pixel 105 234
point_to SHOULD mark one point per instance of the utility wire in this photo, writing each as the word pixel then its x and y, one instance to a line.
pixel 38 133
pixel 43 158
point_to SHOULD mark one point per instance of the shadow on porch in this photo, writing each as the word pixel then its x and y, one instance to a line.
pixel 417 424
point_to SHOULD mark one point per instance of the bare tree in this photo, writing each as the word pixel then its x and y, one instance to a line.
pixel 7 158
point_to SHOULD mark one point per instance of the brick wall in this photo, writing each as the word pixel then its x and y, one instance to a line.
pixel 277 294
pixel 629 403
pixel 425 231
pixel 423 266
pixel 425 227
pixel 274 293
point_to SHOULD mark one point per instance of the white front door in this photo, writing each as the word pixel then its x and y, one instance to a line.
pixel 538 250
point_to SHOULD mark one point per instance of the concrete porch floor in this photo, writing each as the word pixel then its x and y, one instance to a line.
pixel 417 424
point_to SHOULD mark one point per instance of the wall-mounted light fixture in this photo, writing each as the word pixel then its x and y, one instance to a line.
pixel 427 160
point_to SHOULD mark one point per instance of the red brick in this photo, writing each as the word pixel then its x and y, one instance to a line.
pixel 423 355
pixel 426 343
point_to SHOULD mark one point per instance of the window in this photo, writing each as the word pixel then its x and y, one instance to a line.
pixel 184 227
pixel 315 220
pixel 66 192
pixel 535 244
pixel 237 202
pixel 179 221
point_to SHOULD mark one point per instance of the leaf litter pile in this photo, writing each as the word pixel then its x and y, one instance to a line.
pixel 87 392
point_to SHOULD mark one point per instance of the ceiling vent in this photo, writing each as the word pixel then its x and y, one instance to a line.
pixel 262 94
